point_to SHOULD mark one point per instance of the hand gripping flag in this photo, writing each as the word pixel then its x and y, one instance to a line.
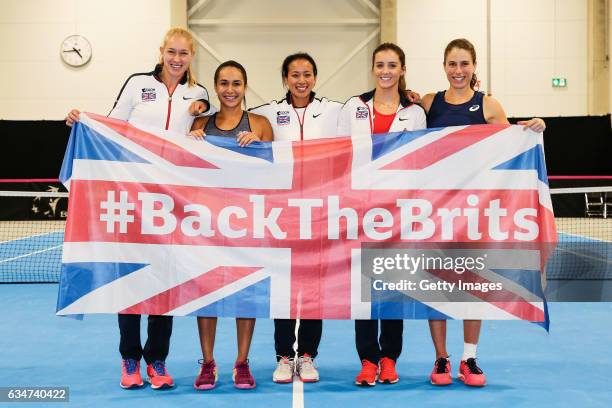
pixel 450 223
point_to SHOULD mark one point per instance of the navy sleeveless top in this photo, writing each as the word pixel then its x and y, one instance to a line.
pixel 442 113
pixel 211 128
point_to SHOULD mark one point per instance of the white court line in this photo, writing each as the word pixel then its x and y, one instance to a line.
pixel 581 255
pixel 297 400
pixel 298 393
pixel 31 236
pixel 30 253
pixel 586 239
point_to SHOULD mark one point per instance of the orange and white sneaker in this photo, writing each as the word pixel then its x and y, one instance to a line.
pixel 471 374
pixel 130 374
pixel 158 375
pixel 388 375
pixel 368 374
pixel 441 374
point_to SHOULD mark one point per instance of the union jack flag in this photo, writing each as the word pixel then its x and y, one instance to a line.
pixel 160 223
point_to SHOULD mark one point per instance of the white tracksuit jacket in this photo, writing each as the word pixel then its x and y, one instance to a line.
pixel 320 118
pixel 356 117
pixel 144 101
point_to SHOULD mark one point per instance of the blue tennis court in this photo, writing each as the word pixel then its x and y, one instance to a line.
pixel 525 365
pixel 31 251
pixel 580 257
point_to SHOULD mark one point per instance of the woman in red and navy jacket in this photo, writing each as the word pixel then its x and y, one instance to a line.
pixel 382 110
pixel 386 108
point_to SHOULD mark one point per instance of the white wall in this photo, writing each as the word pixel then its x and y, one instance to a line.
pixel 262 49
pixel 531 42
pixel 125 37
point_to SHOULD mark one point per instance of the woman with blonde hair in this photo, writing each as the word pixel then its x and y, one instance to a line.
pixel 159 99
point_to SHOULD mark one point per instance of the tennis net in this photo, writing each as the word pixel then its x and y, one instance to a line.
pixel 583 217
pixel 31 235
pixel 32 232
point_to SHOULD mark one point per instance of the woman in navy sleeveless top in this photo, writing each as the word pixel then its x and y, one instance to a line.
pixel 442 113
pixel 462 105
pixel 231 121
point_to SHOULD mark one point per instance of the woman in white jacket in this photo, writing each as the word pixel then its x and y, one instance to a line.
pixel 386 108
pixel 158 99
pixel 299 116
pixel 382 110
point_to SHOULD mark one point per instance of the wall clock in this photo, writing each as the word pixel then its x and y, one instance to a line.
pixel 75 50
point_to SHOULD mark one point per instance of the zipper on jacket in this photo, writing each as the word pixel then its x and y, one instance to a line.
pixel 301 122
pixel 169 111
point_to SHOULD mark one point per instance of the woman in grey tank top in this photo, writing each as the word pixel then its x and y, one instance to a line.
pixel 231 121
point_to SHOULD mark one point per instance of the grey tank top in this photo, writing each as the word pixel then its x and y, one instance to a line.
pixel 211 128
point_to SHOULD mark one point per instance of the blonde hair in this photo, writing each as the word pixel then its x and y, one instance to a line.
pixel 181 32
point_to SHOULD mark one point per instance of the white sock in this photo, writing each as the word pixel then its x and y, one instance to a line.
pixel 469 351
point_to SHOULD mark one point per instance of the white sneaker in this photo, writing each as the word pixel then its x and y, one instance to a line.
pixel 284 370
pixel 306 369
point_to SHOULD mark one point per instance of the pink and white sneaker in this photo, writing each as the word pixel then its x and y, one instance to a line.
pixel 207 378
pixel 243 379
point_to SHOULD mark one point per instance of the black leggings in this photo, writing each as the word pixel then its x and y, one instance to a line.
pixel 371 347
pixel 309 337
pixel 159 330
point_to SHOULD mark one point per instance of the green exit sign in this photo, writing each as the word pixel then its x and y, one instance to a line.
pixel 559 82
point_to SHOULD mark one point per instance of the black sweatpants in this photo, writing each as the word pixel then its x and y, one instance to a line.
pixel 159 330
pixel 309 337
pixel 371 347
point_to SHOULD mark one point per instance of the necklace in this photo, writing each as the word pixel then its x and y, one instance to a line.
pixel 385 106
pixel 390 104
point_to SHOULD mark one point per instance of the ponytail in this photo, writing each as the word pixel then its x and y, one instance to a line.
pixel 463 44
pixel 402 57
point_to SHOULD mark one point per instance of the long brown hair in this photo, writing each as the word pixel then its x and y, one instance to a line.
pixel 181 32
pixel 463 44
pixel 402 57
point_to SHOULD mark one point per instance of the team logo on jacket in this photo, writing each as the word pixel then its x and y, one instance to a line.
pixel 148 94
pixel 362 113
pixel 282 118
